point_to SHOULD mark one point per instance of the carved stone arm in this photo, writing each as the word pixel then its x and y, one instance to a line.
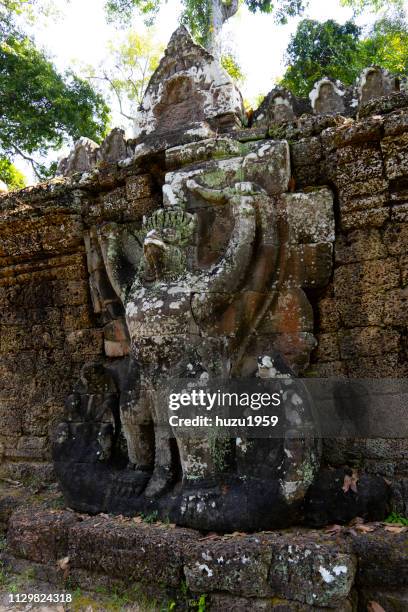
pixel 223 279
pixel 121 254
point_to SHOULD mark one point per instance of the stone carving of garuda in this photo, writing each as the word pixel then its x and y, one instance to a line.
pixel 168 304
pixel 212 289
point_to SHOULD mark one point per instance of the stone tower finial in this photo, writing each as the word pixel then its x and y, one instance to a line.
pixel 188 87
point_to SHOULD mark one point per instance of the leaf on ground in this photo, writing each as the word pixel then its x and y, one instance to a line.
pixel 395 528
pixel 373 606
pixel 350 482
pixel 365 528
pixel 63 563
pixel 137 519
pixel 333 529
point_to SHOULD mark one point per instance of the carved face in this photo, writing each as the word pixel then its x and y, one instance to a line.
pixel 165 236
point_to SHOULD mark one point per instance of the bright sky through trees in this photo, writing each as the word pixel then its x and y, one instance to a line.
pixel 81 36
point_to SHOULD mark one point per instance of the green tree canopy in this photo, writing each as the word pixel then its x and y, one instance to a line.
pixel 9 174
pixel 123 76
pixel 321 49
pixel 204 18
pixel 39 107
pixel 342 51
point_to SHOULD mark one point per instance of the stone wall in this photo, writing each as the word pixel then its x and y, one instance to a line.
pixel 58 309
pixel 296 570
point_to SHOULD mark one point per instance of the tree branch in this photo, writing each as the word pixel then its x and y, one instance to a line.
pixel 35 165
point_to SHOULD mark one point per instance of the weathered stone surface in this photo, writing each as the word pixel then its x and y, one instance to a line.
pixel 381 274
pixel 368 341
pixel 395 307
pixel 238 566
pixel 312 573
pixel 114 147
pixel 40 536
pixel 278 107
pixel 310 216
pixel 327 97
pixel 132 552
pixel 395 151
pixel 81 159
pixel 375 82
pixel 382 557
pixel 327 347
pixel 394 601
pixel 188 86
pixel 360 245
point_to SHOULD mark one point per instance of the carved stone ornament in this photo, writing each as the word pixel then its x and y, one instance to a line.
pixel 211 285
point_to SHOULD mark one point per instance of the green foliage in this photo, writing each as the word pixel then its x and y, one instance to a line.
pixel 321 49
pixel 197 13
pixel 123 9
pixel 39 107
pixel 387 45
pixel 124 75
pixel 150 518
pixel 394 517
pixel 341 52
pixel 230 65
pixel 10 175
pixel 197 17
pixel 361 5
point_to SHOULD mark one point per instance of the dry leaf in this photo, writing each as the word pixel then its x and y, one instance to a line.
pixel 373 606
pixel 395 528
pixel 358 520
pixel 138 519
pixel 333 529
pixel 350 482
pixel 365 528
pixel 63 563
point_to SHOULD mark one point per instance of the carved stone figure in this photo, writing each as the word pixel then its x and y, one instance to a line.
pixel 327 97
pixel 210 286
pixel 206 309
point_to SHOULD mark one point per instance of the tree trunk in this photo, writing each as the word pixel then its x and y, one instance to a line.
pixel 221 10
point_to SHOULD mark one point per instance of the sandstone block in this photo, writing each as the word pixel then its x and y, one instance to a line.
pixel 383 561
pixel 132 552
pixel 40 535
pixel 359 245
pixel 368 341
pixel 357 278
pixel 310 216
pixel 361 310
pixel 235 566
pixel 327 347
pixel 395 151
pixel 311 573
pixel 374 217
pixel 396 307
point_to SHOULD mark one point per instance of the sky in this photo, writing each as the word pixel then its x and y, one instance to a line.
pixel 80 35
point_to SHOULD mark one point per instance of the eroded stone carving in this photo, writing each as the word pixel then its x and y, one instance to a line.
pixel 203 309
pixel 327 96
pixel 82 158
pixel 280 106
pixel 189 86
pixel 375 82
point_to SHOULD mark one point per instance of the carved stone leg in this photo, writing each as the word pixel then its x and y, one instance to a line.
pixel 165 458
pixel 137 423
